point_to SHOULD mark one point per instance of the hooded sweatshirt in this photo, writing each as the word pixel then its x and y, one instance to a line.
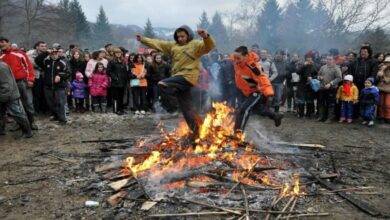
pixel 185 58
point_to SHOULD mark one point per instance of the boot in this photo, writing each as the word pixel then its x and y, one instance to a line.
pixel 332 117
pixel 309 110
pixel 278 119
pixel 276 109
pixel 32 122
pixel 321 116
pixel 301 111
pixel 104 108
pixel 95 107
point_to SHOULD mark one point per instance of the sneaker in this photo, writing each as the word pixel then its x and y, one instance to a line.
pixel 341 120
pixel 364 122
pixel 143 112
pixel 137 112
pixel 53 118
pixel 349 120
pixel 370 124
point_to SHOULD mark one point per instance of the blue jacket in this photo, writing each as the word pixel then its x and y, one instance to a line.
pixel 78 89
pixel 369 96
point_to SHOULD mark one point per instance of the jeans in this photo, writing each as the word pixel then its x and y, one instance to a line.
pixel 367 112
pixel 176 92
pixel 56 100
pixel 278 90
pixel 346 110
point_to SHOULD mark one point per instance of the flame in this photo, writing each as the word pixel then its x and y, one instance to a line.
pixel 147 164
pixel 288 190
pixel 217 141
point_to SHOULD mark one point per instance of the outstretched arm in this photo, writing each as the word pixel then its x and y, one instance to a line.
pixel 160 45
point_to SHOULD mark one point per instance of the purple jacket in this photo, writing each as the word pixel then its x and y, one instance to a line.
pixel 98 84
pixel 78 89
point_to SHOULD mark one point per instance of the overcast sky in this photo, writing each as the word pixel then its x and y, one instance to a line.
pixel 162 13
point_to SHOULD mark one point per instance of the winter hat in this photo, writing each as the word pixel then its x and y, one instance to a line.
pixel 371 80
pixel 348 78
pixel 79 76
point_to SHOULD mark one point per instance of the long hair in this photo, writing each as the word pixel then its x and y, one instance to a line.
pixel 97 66
pixel 135 60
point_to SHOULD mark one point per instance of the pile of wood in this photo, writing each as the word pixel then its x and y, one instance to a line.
pixel 208 184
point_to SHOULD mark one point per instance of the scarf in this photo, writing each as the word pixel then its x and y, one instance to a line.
pixel 347 88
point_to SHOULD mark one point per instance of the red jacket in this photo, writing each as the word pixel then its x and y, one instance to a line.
pixel 250 77
pixel 19 63
pixel 98 84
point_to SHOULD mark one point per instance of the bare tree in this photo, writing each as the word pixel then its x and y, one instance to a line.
pixel 357 15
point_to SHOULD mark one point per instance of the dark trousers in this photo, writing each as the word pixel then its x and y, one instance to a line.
pixel 291 95
pixel 79 104
pixel 117 96
pixel 178 88
pixel 244 110
pixel 39 100
pixel 56 100
pixel 16 110
pixel 26 97
pixel 139 98
pixel 99 102
pixel 199 97
pixel 229 94
pixel 326 101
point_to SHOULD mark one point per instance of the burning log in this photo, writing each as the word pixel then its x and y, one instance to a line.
pixel 121 183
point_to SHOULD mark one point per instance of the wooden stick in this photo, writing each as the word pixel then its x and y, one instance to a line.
pixel 211 206
pixel 307 215
pixel 292 207
pixel 239 181
pixel 27 181
pixel 246 202
pixel 286 206
pixel 357 203
pixel 187 214
pixel 274 202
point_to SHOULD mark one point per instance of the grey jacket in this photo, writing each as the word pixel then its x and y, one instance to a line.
pixel 269 68
pixel 330 74
pixel 282 70
pixel 8 88
pixel 32 54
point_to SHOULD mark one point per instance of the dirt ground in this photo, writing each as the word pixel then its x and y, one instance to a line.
pixel 361 155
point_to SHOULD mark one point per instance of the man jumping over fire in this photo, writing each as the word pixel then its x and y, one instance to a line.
pixel 185 53
pixel 255 86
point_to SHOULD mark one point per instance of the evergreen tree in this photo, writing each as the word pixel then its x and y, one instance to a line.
pixel 80 23
pixel 204 22
pixel 378 38
pixel 102 30
pixel 148 30
pixel 267 26
pixel 218 30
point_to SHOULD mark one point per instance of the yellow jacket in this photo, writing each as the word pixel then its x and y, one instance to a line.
pixel 341 96
pixel 185 58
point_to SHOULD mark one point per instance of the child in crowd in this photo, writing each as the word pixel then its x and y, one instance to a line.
pixel 78 90
pixel 98 84
pixel 369 98
pixel 348 95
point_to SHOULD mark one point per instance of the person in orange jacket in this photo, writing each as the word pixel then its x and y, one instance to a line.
pixel 254 84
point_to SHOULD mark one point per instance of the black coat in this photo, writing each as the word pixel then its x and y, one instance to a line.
pixel 157 72
pixel 52 68
pixel 119 73
pixel 78 65
pixel 305 92
pixel 362 69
